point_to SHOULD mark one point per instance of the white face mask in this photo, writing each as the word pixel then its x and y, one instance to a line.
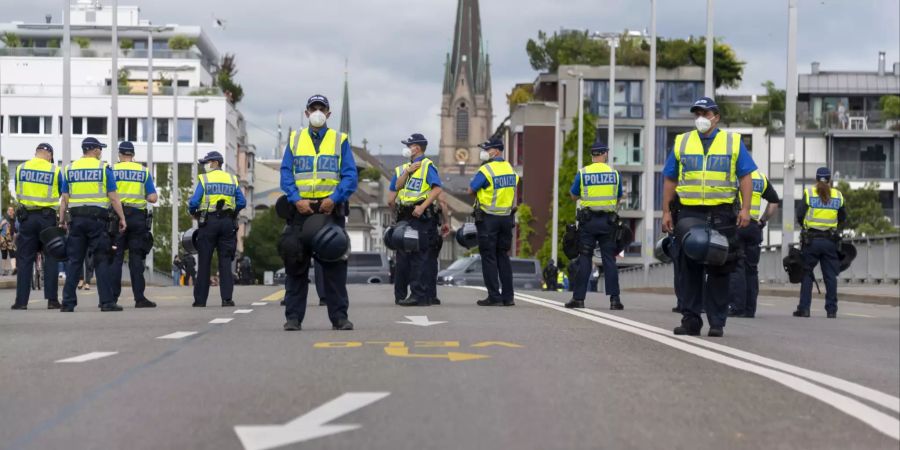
pixel 406 152
pixel 484 155
pixel 703 124
pixel 317 119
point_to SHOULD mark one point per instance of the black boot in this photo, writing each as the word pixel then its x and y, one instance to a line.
pixel 489 302
pixel 343 325
pixel 801 313
pixel 615 303
pixel 53 304
pixel 144 303
pixel 227 303
pixel 689 327
pixel 575 304
pixel 111 307
pixel 716 332
pixel 414 301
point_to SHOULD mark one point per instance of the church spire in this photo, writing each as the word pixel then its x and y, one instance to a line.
pixel 345 108
pixel 468 57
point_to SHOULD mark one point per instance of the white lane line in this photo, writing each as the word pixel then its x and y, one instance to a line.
pixel 888 401
pixel 860 315
pixel 178 335
pixel 258 304
pixel 243 311
pixel 86 357
pixel 222 320
pixel 766 304
pixel 878 420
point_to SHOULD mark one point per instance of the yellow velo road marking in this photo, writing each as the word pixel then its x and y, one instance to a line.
pixel 276 297
pixel 399 349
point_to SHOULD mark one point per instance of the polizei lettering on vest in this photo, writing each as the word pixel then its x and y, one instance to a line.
pixel 35 176
pixel 817 202
pixel 130 175
pixel 78 175
pixel 758 186
pixel 220 189
pixel 504 181
pixel 595 179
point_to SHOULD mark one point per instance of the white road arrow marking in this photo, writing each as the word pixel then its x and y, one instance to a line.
pixel 86 357
pixel 421 321
pixel 311 425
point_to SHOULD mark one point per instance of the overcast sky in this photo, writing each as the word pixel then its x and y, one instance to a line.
pixel 287 50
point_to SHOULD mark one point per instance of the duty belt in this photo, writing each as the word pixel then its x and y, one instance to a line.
pixel 132 210
pixel 92 212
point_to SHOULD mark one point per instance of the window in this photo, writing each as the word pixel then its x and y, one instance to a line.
pixel 524 267
pixel 128 129
pixel 96 125
pixel 185 130
pixel 30 125
pixel 364 260
pixel 162 130
pixel 675 98
pixel 628 98
pixel 462 124
pixel 205 131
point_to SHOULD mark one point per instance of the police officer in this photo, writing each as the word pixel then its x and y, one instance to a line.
pixel 494 187
pixel 318 175
pixel 599 188
pixel 704 169
pixel 38 191
pixel 135 186
pixel 88 190
pixel 745 278
pixel 216 202
pixel 550 274
pixel 418 188
pixel 823 217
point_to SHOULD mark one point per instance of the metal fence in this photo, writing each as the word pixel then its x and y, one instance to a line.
pixel 877 262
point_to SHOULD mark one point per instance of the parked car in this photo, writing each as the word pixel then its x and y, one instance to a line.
pixel 467 272
pixel 368 268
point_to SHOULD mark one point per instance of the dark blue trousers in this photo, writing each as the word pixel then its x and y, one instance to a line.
pixel 28 244
pixel 824 251
pixel 401 275
pixel 217 235
pixel 422 276
pixel 707 286
pixel 334 278
pixel 745 279
pixel 132 240
pixel 89 233
pixel 494 243
pixel 599 230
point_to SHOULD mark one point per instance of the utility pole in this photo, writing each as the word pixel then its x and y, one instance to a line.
pixel 708 82
pixel 650 152
pixel 790 132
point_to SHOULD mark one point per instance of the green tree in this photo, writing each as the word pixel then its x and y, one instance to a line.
pixel 162 214
pixel 760 114
pixel 865 216
pixel 520 94
pixel 578 47
pixel 11 40
pixel 370 174
pixel 225 79
pixel 82 42
pixel 567 171
pixel 890 109
pixel 126 44
pixel 180 42
pixel 261 244
pixel 524 219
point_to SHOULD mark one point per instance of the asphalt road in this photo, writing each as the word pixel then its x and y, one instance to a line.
pixel 534 376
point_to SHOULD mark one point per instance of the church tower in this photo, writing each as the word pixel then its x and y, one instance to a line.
pixel 466 113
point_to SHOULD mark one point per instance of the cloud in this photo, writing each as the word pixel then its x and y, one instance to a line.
pixel 287 50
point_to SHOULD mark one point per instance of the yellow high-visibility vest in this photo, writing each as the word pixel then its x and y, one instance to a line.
pixel 499 197
pixel 131 179
pixel 760 184
pixel 398 171
pixel 822 215
pixel 37 184
pixel 707 179
pixel 218 185
pixel 87 183
pixel 416 188
pixel 317 174
pixel 599 187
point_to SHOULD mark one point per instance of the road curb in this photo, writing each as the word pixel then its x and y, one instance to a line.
pixel 795 294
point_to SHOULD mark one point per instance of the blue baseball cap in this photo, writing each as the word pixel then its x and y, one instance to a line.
pixel 318 98
pixel 212 156
pixel 415 138
pixel 126 148
pixel 599 148
pixel 492 143
pixel 91 143
pixel 705 104
pixel 823 174
pixel 45 146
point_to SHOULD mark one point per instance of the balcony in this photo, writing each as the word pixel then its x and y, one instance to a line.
pixel 628 156
pixel 134 88
pixel 831 120
pixel 162 54
pixel 864 170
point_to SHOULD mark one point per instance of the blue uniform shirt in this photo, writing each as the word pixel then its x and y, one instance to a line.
pixel 110 181
pixel 194 204
pixel 576 186
pixel 345 188
pixel 745 164
pixel 431 178
pixel 149 187
pixel 479 181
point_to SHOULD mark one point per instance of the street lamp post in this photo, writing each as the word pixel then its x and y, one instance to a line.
pixel 554 224
pixel 611 130
pixel 580 151
pixel 67 85
pixel 114 84
pixel 194 163
pixel 790 132
pixel 176 201
pixel 708 86
pixel 649 153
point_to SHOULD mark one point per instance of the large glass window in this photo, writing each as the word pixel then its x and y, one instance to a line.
pixel 162 130
pixel 205 131
pixel 628 98
pixel 185 130
pixel 462 124
pixel 96 125
pixel 30 124
pixel 128 130
pixel 675 98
